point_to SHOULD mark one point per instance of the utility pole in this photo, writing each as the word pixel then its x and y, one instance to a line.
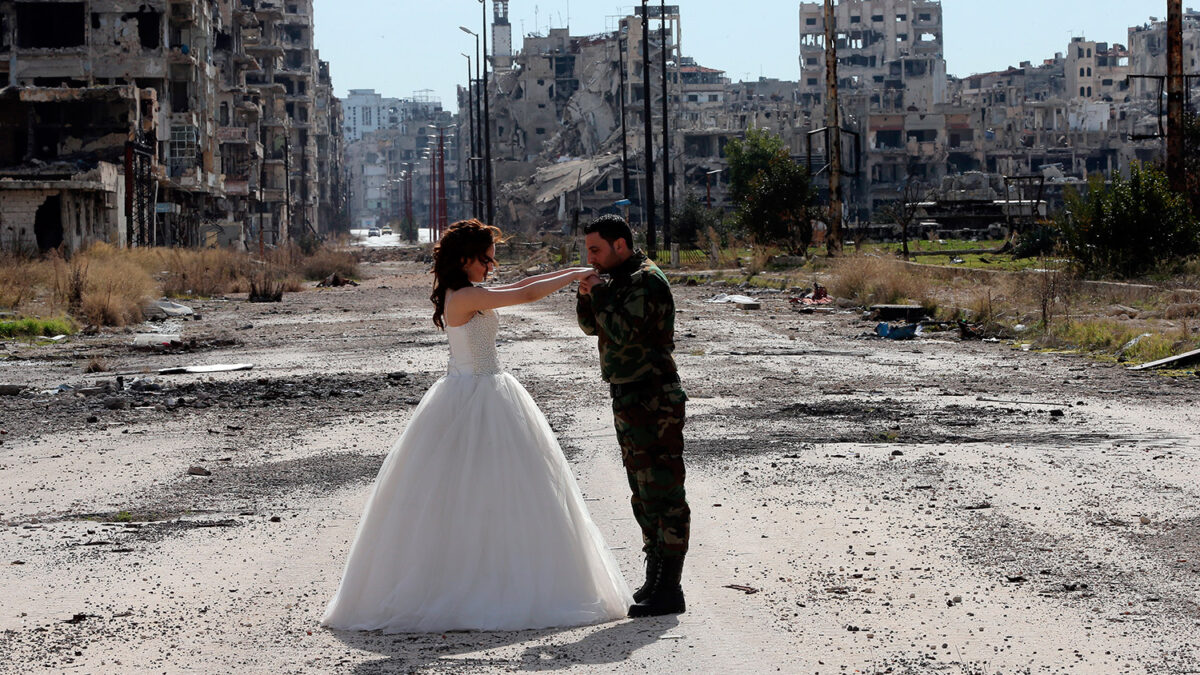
pixel 833 122
pixel 662 39
pixel 487 122
pixel 473 138
pixel 624 138
pixel 651 238
pixel 441 183
pixel 1175 96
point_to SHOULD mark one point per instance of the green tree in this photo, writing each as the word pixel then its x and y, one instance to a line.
pixel 1191 141
pixel 775 196
pixel 693 220
pixel 748 157
pixel 1129 227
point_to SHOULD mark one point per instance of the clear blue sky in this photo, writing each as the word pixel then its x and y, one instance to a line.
pixel 397 48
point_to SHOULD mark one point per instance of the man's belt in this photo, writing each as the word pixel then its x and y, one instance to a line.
pixel 652 385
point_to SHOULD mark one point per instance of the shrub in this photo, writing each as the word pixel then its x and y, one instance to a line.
pixel 326 261
pixel 879 281
pixel 31 327
pixel 1130 227
pixel 102 286
pixel 1040 240
pixel 204 273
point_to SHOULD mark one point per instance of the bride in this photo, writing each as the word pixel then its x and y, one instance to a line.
pixel 475 521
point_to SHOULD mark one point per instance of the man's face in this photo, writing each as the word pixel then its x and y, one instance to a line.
pixel 603 255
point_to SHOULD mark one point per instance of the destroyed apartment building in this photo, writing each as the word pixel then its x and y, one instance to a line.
pixel 568 117
pixel 169 123
pixel 561 100
pixel 402 155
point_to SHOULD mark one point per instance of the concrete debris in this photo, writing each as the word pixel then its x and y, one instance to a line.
pixel 905 313
pixel 336 280
pixel 1174 361
pixel 164 309
pixel 204 370
pixel 155 341
pixel 742 301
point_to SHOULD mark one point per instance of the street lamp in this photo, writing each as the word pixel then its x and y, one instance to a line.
pixel 486 119
pixel 473 136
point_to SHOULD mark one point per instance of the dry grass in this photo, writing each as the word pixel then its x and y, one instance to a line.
pixel 327 261
pixel 107 286
pixel 103 286
pixel 871 280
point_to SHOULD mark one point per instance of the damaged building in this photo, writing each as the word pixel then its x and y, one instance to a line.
pixel 391 148
pixel 169 123
pixel 565 108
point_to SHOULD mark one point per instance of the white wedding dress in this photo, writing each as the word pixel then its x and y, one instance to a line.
pixel 475 521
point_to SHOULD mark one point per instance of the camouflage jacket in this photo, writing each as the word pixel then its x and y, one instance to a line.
pixel 633 315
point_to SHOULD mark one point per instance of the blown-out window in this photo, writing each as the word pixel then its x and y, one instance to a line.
pixel 50 25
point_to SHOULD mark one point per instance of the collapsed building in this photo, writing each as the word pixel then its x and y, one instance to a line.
pixel 578 100
pixel 169 123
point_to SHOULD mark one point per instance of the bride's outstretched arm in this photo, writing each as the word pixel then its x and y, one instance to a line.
pixel 473 299
pixel 538 277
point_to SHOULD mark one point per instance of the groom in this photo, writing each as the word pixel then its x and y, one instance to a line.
pixel 633 315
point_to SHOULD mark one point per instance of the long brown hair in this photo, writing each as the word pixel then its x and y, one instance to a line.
pixel 465 241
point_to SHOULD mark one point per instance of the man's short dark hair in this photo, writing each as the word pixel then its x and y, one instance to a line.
pixel 611 227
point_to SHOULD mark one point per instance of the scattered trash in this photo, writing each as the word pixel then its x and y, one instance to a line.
pixel 986 399
pixel 742 301
pixel 164 309
pixel 200 370
pixel 890 332
pixel 198 471
pixel 1123 353
pixel 1181 360
pixel 905 313
pixel 1015 579
pixel 978 507
pixel 818 296
pixel 968 331
pixel 155 341
pixel 336 280
pixel 745 589
pixel 957 261
pixel 56 338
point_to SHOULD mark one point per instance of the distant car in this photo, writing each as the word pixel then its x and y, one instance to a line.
pixel 373 232
pixel 387 231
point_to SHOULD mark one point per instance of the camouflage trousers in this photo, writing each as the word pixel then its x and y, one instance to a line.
pixel 650 432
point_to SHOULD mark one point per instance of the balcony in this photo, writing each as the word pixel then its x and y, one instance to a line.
pixel 233 135
pixel 182 11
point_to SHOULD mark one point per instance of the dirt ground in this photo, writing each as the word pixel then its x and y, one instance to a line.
pixel 895 507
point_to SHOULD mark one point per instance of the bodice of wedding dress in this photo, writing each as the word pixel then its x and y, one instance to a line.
pixel 473 346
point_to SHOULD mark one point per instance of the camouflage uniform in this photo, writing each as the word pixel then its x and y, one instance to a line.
pixel 633 315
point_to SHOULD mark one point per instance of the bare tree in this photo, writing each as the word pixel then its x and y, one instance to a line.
pixel 904 212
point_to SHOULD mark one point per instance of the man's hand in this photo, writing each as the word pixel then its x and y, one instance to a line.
pixel 586 284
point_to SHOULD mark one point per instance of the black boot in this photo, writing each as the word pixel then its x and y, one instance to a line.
pixel 652 564
pixel 667 595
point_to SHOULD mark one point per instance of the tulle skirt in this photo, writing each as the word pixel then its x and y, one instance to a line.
pixel 475 522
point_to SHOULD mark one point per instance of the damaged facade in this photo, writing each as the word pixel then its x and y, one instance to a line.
pixel 391 144
pixel 171 123
pixel 1062 119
